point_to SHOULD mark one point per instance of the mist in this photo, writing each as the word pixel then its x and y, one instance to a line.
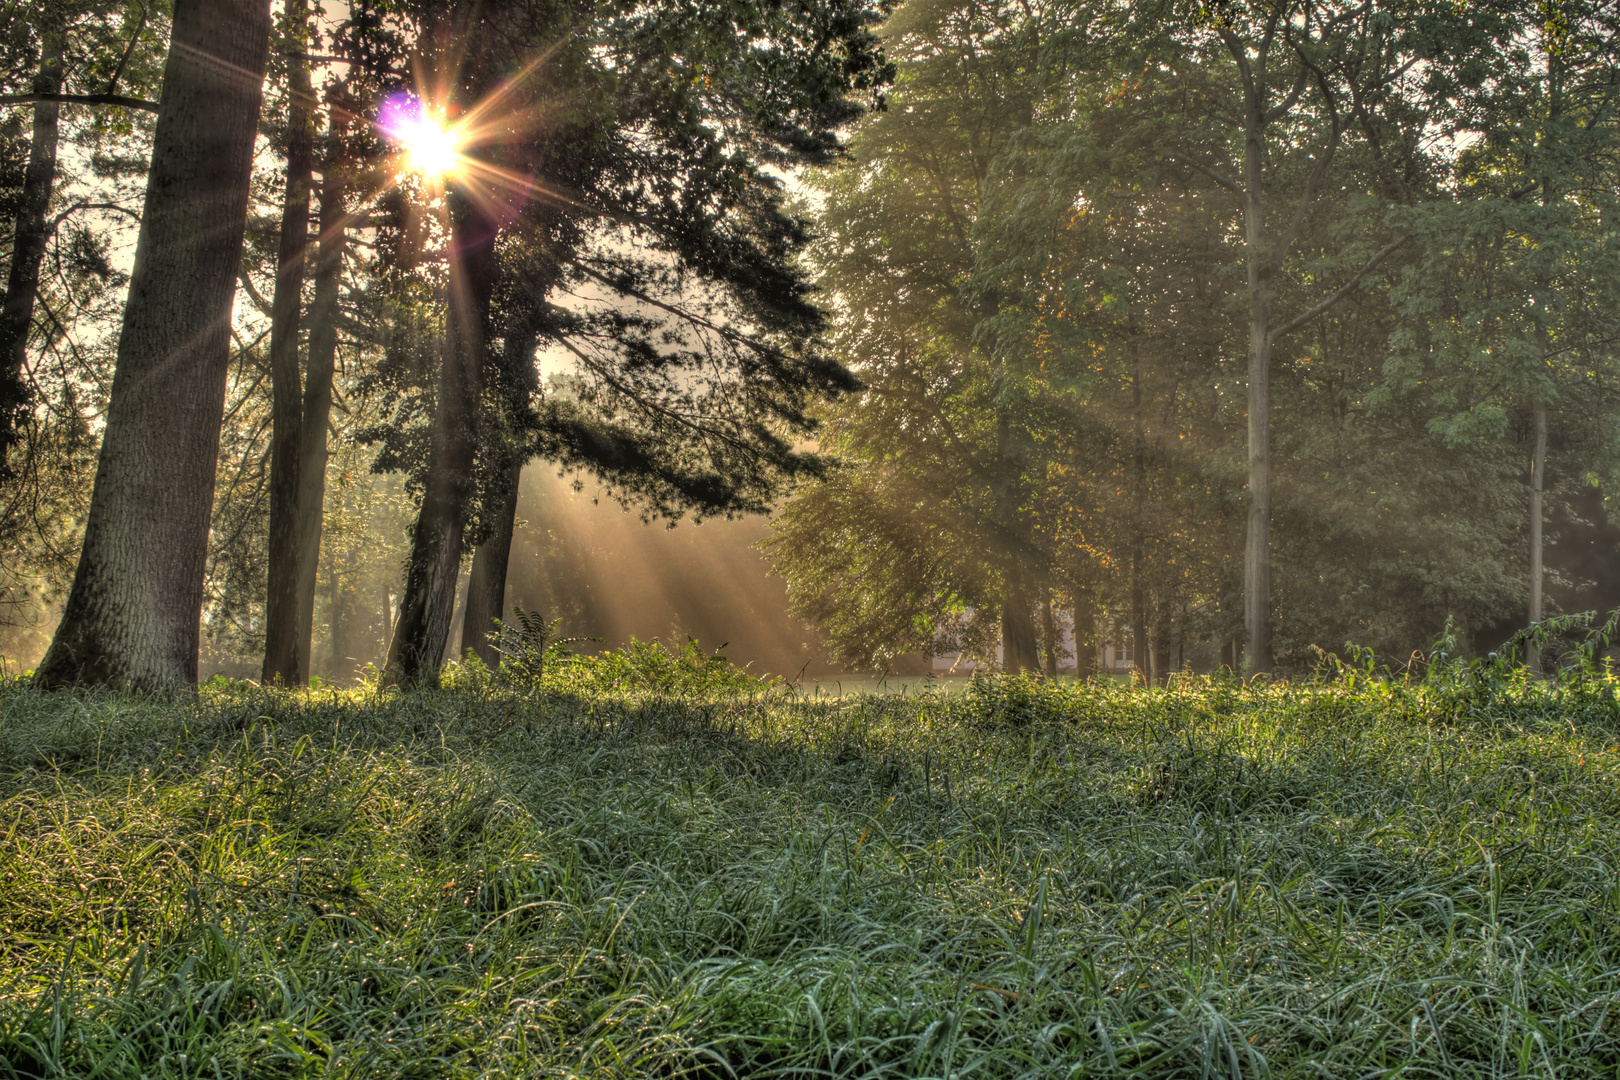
pixel 581 557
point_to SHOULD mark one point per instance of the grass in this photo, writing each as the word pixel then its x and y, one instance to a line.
pixel 1354 879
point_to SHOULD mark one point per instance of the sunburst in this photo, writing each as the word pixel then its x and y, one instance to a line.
pixel 426 144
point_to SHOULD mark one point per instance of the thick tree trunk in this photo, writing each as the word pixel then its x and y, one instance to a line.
pixel 132 613
pixel 1538 476
pixel 1018 649
pixel 428 603
pixel 27 251
pixel 323 311
pixel 281 659
pixel 486 588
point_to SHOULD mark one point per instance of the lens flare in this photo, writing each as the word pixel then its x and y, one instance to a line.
pixel 428 147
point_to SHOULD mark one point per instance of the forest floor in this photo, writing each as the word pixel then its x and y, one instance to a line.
pixel 1348 879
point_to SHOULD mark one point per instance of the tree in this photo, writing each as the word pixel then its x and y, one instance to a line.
pixel 131 616
pixel 1290 83
pixel 647 133
pixel 282 659
pixel 28 248
pixel 321 369
pixel 1075 241
pixel 77 41
pixel 1528 256
pixel 935 514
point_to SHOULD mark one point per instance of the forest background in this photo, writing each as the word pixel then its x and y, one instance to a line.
pixel 1226 331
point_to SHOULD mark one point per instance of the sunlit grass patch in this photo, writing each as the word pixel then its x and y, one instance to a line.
pixel 1017 880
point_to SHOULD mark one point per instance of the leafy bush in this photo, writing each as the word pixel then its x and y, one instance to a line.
pixel 533 653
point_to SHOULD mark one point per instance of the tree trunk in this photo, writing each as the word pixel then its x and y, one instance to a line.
pixel 1257 539
pixel 1049 631
pixel 27 251
pixel 1018 648
pixel 486 588
pixel 340 614
pixel 281 658
pixel 323 310
pixel 132 613
pixel 387 622
pixel 1538 475
pixel 1161 647
pixel 1139 628
pixel 1085 633
pixel 1141 660
pixel 428 603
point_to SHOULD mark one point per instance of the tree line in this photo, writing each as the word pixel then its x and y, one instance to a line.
pixel 1271 327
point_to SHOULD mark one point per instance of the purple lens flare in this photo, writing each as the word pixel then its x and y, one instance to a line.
pixel 401 116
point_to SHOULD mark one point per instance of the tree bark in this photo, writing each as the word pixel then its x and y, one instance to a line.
pixel 27 252
pixel 323 312
pixel 132 614
pixel 486 588
pixel 281 659
pixel 428 603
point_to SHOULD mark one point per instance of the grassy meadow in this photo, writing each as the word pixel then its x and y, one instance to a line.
pixel 585 876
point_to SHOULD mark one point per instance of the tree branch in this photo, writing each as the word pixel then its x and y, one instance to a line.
pixel 258 301
pixel 56 222
pixel 625 289
pixel 1229 184
pixel 1341 292
pixel 80 99
pixel 118 72
pixel 1335 132
pixel 1286 105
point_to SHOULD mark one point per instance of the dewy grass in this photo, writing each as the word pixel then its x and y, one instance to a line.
pixel 1326 880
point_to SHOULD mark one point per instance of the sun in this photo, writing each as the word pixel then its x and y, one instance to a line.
pixel 427 145
pixel 431 149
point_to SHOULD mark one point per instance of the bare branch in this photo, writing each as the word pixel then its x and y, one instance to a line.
pixel 56 222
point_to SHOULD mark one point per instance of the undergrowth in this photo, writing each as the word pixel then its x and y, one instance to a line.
pixel 549 876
